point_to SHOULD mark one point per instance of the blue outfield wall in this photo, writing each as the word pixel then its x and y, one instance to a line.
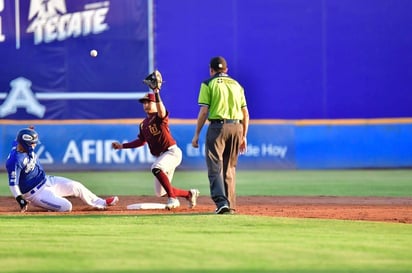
pixel 353 146
pixel 279 146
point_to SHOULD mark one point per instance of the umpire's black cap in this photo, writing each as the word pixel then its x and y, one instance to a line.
pixel 218 64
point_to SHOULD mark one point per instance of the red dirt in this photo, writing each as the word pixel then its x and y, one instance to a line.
pixel 383 209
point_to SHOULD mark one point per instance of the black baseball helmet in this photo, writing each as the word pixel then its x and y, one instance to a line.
pixel 26 137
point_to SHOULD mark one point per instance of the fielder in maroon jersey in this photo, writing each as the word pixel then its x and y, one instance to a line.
pixel 154 130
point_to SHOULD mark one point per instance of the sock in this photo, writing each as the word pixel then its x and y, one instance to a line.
pixel 181 193
pixel 164 181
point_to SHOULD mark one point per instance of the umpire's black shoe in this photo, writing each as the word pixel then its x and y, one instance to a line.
pixel 223 209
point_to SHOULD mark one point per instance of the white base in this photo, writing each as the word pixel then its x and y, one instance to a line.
pixel 147 206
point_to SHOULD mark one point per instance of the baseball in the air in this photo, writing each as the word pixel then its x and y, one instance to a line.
pixel 93 53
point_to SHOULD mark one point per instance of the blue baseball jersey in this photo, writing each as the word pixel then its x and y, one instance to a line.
pixel 24 171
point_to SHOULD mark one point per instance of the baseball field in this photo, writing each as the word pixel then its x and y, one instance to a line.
pixel 286 221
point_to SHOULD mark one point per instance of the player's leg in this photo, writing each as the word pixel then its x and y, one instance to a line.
pixel 46 198
pixel 172 160
pixel 158 188
pixel 163 168
pixel 172 201
pixel 168 163
pixel 67 187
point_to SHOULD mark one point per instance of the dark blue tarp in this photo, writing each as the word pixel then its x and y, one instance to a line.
pixel 298 59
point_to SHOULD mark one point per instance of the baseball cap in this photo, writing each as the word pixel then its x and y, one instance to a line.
pixel 149 97
pixel 218 63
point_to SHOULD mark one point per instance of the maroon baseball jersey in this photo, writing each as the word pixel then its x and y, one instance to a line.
pixel 155 131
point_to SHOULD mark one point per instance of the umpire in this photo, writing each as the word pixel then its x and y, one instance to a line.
pixel 222 101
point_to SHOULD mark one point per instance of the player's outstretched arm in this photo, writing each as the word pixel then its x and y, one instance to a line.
pixel 128 145
pixel 161 109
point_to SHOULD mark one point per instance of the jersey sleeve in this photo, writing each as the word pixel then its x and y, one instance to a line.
pixel 204 95
pixel 13 171
pixel 134 143
pixel 243 101
pixel 139 141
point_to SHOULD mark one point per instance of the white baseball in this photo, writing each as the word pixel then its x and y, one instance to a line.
pixel 93 52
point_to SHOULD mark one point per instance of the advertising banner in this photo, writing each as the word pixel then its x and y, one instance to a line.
pixel 47 69
pixel 354 146
pixel 88 147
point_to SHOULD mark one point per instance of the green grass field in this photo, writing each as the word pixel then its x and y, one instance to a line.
pixel 213 243
pixel 272 183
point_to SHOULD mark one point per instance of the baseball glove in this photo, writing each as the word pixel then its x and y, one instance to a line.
pixel 154 80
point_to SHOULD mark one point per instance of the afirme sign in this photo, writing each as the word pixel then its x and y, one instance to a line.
pixel 77 147
pixel 88 147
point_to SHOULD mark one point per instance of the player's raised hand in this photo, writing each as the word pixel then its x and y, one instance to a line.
pixel 117 145
pixel 154 80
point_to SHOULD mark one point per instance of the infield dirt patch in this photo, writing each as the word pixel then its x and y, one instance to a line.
pixel 383 209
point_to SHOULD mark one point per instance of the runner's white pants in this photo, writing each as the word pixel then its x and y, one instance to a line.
pixel 51 195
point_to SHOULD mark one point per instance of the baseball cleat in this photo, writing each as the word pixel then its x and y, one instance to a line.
pixel 172 203
pixel 223 210
pixel 194 194
pixel 112 201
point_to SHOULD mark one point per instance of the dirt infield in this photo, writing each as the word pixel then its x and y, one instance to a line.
pixel 383 209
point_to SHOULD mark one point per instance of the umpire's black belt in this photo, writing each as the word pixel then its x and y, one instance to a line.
pixel 222 121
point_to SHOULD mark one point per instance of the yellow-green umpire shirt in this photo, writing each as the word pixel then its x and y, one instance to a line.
pixel 224 96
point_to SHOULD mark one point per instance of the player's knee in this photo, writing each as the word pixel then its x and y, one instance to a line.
pixel 77 188
pixel 67 207
pixel 155 171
